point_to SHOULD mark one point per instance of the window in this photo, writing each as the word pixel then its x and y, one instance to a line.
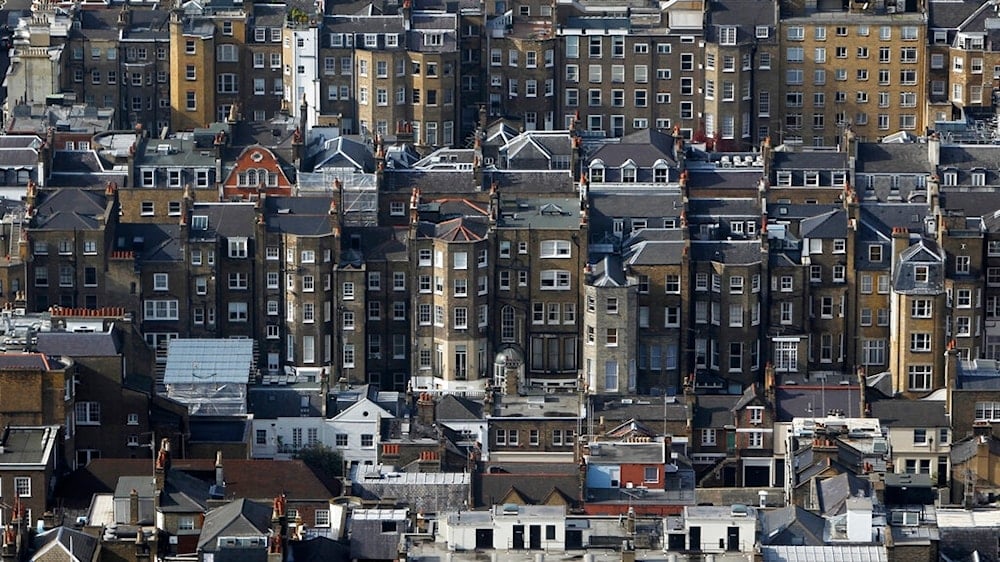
pixel 708 437
pixel 611 337
pixel 919 377
pixel 963 298
pixel 237 312
pixel 22 486
pixel 920 342
pixel 159 309
pixel 555 249
pixel 555 280
pixel 238 247
pixel 672 284
pixel 88 413
pixel 786 355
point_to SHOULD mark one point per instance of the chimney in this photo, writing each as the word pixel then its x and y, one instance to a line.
pixel 220 481
pixel 934 150
pixel 162 465
pixel 900 242
pixel 297 143
pixel 133 507
pixel 951 358
pixel 934 194
pixel 425 408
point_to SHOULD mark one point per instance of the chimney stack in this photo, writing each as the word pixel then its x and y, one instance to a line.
pixel 220 481
pixel 133 507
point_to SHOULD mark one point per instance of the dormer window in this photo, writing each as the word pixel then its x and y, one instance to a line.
pixel 660 171
pixel 812 179
pixel 628 172
pixel 921 273
pixel 979 177
pixel 597 171
pixel 784 178
pixel 951 177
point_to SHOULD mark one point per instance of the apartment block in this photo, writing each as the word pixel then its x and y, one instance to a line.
pixel 858 65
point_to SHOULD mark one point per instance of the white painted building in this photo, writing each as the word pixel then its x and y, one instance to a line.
pixel 506 527
pixel 719 528
pixel 354 433
pixel 301 48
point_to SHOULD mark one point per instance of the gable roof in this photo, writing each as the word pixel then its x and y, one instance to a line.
pixel 792 525
pixel 78 545
pixel 70 209
pixel 457 408
pixel 237 518
pixel 250 478
pixel 362 405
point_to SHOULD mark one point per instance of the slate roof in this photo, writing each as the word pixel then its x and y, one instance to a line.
pixel 724 179
pixel 27 445
pixel 609 273
pixel 461 229
pixel 301 216
pixel 204 429
pixel 949 14
pixel 457 408
pixel 19 141
pixel 95 24
pixel 318 549
pixel 266 402
pixel 924 252
pixel 714 410
pixel 910 413
pixel 831 224
pixel 159 242
pixel 810 160
pixel 791 525
pixel 343 152
pixel 149 23
pixel 730 252
pixel 76 544
pixel 722 207
pixel 536 144
pixel 539 182
pixel 370 541
pixel 28 362
pixel 801 401
pixel 643 147
pixel 225 219
pixel 430 182
pixel 650 410
pixel 534 481
pixel 655 253
pixel 906 158
pixel 69 209
pixel 98 344
pixel 237 518
pixel 834 492
pixel 967 157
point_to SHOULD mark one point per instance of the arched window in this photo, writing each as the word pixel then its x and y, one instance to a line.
pixel 507 324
